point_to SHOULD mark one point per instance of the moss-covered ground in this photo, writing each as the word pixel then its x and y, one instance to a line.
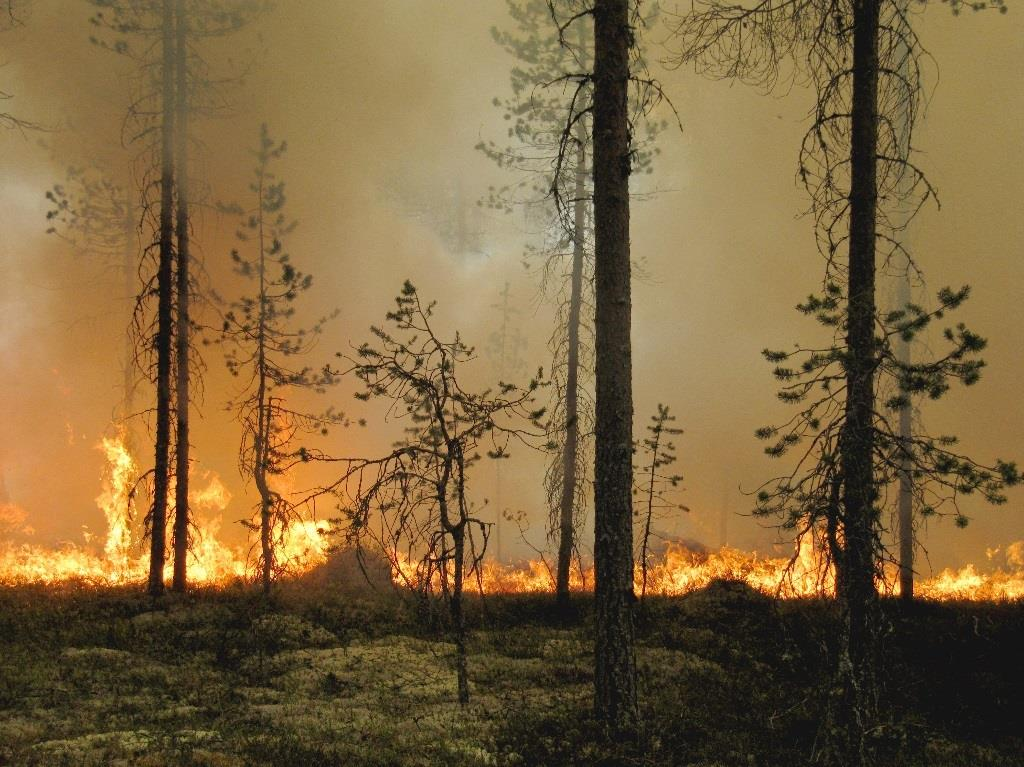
pixel 328 676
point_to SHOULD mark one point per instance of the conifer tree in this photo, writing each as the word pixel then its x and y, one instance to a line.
pixel 160 36
pixel 615 693
pixel 862 60
pixel 263 343
pixel 652 483
pixel 505 347
pixel 414 503
pixel 536 111
pixel 550 149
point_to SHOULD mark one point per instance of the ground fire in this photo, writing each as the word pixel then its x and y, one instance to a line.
pixel 306 544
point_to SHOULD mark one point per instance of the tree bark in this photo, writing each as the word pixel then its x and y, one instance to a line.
pixel 566 527
pixel 615 694
pixel 905 511
pixel 158 516
pixel 858 597
pixel 183 344
pixel 458 613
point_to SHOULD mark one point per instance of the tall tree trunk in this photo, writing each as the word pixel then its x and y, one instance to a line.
pixel 502 374
pixel 905 511
pixel 158 516
pixel 458 613
pixel 615 695
pixel 567 502
pixel 183 343
pixel 858 597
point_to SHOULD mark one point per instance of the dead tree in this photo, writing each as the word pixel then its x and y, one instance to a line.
pixel 183 291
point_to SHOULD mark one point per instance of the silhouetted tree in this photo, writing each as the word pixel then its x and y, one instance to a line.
pixel 862 60
pixel 615 694
pixel 414 503
pixel 659 452
pixel 537 112
pixel 550 114
pixel 262 344
pixel 173 75
pixel 183 290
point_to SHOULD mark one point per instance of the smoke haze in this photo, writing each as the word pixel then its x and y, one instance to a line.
pixel 381 105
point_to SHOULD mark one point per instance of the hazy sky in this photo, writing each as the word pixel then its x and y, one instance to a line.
pixel 381 104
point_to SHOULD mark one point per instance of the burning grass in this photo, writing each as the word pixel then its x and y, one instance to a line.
pixel 304 547
pixel 327 675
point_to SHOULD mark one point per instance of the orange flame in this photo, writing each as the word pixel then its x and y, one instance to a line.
pixel 305 544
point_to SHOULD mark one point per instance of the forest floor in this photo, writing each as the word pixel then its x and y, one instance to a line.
pixel 327 676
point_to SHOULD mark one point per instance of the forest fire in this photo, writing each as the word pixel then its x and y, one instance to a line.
pixel 122 560
pixel 306 544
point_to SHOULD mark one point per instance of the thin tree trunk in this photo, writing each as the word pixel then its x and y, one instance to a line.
pixel 158 517
pixel 263 415
pixel 183 344
pixel 567 503
pixel 503 374
pixel 645 544
pixel 458 614
pixel 858 597
pixel 615 694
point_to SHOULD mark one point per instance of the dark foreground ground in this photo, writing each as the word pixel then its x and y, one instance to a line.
pixel 329 677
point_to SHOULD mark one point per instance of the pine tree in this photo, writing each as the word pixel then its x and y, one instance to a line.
pixel 262 343
pixel 857 167
pixel 505 347
pixel 615 694
pixel 415 502
pixel 652 484
pixel 160 36
pixel 550 116
pixel 538 116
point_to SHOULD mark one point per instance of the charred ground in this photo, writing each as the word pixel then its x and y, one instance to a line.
pixel 330 676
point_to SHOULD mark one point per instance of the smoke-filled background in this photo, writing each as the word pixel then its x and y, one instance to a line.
pixel 381 105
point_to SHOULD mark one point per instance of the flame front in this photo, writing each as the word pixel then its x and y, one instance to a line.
pixel 114 501
pixel 304 544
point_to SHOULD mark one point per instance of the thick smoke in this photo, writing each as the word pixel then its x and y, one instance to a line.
pixel 381 105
